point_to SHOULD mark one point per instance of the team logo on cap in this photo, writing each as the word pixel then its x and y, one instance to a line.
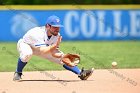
pixel 57 20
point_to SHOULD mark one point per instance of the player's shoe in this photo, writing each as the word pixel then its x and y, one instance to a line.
pixel 17 76
pixel 85 74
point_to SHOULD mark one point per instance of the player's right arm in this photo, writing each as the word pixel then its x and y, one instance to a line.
pixel 36 39
pixel 51 48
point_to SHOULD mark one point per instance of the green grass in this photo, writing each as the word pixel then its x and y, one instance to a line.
pixel 93 54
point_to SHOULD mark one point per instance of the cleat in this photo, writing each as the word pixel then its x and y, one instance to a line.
pixel 85 74
pixel 17 76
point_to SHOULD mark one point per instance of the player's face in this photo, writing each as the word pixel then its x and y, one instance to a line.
pixel 54 30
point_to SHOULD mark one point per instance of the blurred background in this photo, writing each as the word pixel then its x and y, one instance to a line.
pixel 101 31
pixel 45 2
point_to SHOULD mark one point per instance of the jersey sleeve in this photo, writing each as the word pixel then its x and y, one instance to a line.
pixel 35 37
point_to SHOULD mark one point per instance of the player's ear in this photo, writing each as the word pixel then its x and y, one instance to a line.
pixel 48 26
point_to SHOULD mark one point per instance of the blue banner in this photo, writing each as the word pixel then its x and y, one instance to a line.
pixel 78 24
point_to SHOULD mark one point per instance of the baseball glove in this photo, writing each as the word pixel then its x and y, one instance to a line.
pixel 71 59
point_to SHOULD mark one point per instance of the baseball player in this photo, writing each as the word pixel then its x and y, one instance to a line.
pixel 44 42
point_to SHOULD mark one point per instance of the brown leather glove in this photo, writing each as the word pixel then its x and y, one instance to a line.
pixel 71 59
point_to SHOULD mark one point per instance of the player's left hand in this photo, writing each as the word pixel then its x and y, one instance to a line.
pixel 56 45
pixel 58 41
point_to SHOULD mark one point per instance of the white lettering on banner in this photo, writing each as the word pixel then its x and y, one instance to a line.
pixel 68 24
pixel 95 26
pixel 101 24
pixel 84 27
pixel 118 32
pixel 135 23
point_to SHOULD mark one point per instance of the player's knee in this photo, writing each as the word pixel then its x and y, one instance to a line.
pixel 26 57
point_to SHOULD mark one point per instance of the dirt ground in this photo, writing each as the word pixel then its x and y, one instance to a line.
pixel 102 81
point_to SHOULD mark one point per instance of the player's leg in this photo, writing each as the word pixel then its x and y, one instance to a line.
pixel 25 52
pixel 82 74
pixel 49 57
pixel 74 69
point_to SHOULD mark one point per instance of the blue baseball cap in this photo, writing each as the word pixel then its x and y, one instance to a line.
pixel 54 21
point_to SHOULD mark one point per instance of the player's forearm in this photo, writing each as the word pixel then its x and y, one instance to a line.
pixel 57 53
pixel 44 49
pixel 48 49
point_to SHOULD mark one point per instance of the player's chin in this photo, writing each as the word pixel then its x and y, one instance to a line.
pixel 55 34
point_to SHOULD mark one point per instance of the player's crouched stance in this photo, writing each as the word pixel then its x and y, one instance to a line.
pixel 44 42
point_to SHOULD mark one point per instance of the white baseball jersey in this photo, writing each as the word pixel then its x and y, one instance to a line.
pixel 38 37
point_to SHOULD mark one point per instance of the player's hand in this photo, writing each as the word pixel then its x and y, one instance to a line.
pixel 56 45
pixel 58 41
